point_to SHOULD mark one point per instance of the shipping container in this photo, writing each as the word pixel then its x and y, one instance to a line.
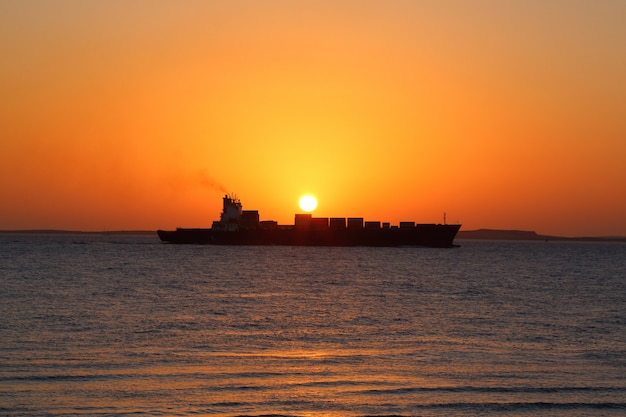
pixel 303 221
pixel 249 219
pixel 372 225
pixel 355 222
pixel 337 223
pixel 268 224
pixel 319 223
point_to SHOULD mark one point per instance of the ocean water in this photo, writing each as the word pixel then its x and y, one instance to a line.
pixel 124 325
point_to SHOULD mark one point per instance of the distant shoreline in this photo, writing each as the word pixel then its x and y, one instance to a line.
pixel 492 234
pixel 78 232
pixel 480 234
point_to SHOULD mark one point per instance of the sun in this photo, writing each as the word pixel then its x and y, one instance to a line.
pixel 308 203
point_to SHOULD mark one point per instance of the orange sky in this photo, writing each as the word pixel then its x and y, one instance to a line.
pixel 137 115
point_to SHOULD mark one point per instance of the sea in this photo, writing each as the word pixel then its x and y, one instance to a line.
pixel 124 325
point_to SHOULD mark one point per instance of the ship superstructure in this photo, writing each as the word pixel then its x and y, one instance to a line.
pixel 230 216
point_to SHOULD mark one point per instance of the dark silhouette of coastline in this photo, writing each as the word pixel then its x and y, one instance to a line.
pixel 77 232
pixel 494 234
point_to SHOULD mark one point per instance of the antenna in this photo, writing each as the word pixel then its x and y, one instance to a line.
pixel 444 217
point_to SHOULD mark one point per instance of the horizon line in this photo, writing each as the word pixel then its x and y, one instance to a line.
pixel 513 234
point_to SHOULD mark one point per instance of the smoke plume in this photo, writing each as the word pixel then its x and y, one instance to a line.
pixel 205 180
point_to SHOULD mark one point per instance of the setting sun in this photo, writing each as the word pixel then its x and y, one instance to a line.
pixel 308 203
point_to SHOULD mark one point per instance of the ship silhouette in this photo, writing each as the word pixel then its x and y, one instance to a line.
pixel 243 227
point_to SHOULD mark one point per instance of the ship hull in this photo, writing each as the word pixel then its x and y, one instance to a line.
pixel 430 235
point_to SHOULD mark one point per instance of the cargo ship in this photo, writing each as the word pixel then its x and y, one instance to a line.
pixel 243 227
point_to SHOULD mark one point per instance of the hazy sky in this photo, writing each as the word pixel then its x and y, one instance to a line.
pixel 141 114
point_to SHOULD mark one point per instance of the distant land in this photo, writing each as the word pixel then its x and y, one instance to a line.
pixel 79 232
pixel 491 234
pixel 480 234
